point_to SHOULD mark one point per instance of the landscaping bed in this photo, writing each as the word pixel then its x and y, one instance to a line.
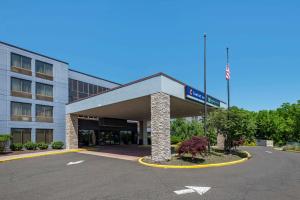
pixel 216 156
pixel 11 153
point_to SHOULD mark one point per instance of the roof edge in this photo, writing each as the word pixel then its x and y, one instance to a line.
pixel 29 51
pixel 134 82
pixel 73 70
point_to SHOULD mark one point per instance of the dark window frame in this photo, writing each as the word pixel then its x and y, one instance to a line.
pixel 43 74
pixel 23 131
pixel 45 137
pixel 21 61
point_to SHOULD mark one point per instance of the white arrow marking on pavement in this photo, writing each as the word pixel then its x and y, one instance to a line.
pixel 191 189
pixel 268 151
pixel 184 191
pixel 199 190
pixel 75 163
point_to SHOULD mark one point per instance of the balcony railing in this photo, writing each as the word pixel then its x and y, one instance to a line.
pixel 43 97
pixel 44 119
pixel 21 118
pixel 21 94
pixel 44 76
pixel 21 70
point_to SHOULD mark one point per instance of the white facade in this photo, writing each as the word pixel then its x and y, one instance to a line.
pixel 60 93
pixel 61 75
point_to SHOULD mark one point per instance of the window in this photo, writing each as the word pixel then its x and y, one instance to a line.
pixel 21 64
pixel 79 90
pixel 44 70
pixel 44 135
pixel 44 92
pixel 80 86
pixel 44 113
pixel 21 88
pixel 20 111
pixel 21 135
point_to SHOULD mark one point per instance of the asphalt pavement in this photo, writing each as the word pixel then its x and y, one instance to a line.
pixel 270 175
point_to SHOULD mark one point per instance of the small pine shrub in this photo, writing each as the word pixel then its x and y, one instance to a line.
pixel 57 145
pixel 195 145
pixel 42 146
pixel 16 147
pixel 30 146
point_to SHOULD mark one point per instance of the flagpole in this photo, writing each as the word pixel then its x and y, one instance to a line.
pixel 205 94
pixel 228 84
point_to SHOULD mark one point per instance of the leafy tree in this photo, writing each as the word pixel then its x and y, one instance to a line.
pixel 186 129
pixel 233 124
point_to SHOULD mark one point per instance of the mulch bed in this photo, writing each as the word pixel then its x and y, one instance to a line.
pixel 187 159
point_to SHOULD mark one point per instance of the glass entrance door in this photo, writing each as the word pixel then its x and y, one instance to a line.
pixel 108 137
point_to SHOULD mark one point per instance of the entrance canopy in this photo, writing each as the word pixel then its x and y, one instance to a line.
pixel 157 98
pixel 132 101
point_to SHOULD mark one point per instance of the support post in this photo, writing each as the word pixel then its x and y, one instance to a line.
pixel 160 127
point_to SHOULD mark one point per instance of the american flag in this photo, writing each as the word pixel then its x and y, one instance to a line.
pixel 227 72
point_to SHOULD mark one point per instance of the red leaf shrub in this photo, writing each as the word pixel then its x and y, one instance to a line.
pixel 195 145
pixel 237 143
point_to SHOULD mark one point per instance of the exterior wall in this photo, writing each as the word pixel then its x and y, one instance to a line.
pixel 133 91
pixel 265 143
pixel 60 93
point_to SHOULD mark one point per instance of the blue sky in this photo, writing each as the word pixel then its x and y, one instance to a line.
pixel 126 40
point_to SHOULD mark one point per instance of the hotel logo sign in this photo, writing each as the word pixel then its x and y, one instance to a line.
pixel 196 95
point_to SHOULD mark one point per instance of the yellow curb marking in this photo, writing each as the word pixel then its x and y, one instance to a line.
pixel 196 166
pixel 41 154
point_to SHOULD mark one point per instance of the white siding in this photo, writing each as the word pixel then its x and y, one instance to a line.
pixel 60 93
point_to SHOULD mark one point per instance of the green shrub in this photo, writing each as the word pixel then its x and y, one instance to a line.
pixel 42 146
pixel 30 146
pixel 3 142
pixel 297 148
pixel 250 143
pixel 175 139
pixel 291 148
pixel 5 138
pixel 57 145
pixel 16 147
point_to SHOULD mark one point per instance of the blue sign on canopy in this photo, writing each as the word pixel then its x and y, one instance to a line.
pixel 196 95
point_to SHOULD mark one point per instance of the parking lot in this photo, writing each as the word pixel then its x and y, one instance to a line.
pixel 270 174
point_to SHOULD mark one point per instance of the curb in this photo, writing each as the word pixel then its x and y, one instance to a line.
pixel 41 154
pixel 293 151
pixel 196 166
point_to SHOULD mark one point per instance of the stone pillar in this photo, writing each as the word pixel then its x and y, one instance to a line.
pixel 160 127
pixel 71 131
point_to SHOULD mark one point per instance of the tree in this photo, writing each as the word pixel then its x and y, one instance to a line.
pixel 233 124
pixel 186 129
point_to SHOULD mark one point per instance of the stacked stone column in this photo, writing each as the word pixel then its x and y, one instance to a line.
pixel 160 127
pixel 71 131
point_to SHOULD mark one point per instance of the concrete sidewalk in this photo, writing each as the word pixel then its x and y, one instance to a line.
pixel 111 155
pixel 37 154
